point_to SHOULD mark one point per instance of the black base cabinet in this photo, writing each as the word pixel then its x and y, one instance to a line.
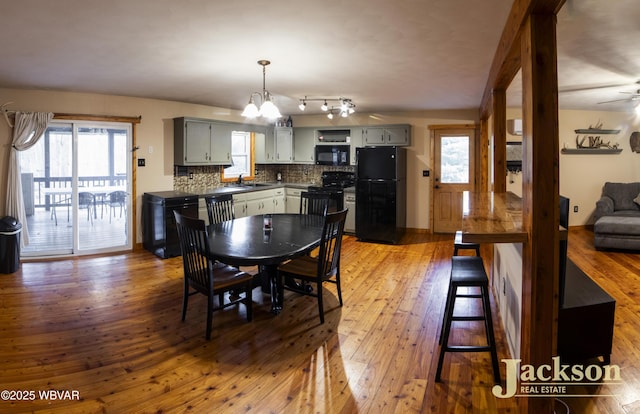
pixel 585 320
pixel 159 232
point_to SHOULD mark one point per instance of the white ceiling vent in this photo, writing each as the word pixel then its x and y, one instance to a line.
pixel 514 126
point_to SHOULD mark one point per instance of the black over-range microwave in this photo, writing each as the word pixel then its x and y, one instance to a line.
pixel 332 154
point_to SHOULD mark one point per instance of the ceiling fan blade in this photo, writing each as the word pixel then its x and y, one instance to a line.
pixel 582 88
pixel 615 100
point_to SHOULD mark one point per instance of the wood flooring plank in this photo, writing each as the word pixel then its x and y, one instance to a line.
pixel 110 327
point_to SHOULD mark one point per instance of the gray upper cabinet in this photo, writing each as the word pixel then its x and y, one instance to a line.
pixel 304 145
pixel 197 149
pixel 283 145
pixel 221 141
pixel 388 135
pixel 261 148
pixel 201 142
pixel 270 146
pixel 356 141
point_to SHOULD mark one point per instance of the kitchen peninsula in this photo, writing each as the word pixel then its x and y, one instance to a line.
pixel 492 218
pixel 586 312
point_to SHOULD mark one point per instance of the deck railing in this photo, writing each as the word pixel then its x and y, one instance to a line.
pixel 40 184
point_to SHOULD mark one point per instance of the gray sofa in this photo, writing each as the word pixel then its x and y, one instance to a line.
pixel 617 217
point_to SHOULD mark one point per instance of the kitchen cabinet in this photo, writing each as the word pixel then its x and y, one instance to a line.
pixel 254 202
pixel 260 145
pixel 283 145
pixel 304 145
pixel 356 141
pixel 279 201
pixel 270 146
pixel 192 142
pixel 259 202
pixel 201 142
pixel 240 205
pixel 388 135
pixel 221 143
pixel 293 200
pixel 159 231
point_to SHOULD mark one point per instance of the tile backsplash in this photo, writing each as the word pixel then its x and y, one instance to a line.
pixel 202 178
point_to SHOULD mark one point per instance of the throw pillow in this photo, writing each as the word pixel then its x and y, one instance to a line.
pixel 637 200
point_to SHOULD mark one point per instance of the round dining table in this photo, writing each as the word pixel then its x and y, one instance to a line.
pixel 250 241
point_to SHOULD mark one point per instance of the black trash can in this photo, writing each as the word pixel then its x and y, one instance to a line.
pixel 10 229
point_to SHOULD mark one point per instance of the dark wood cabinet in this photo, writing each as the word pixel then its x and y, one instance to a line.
pixel 586 318
pixel 159 231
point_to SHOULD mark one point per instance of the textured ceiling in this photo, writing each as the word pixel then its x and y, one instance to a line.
pixel 598 55
pixel 401 55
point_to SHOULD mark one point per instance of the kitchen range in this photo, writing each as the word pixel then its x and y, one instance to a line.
pixel 334 183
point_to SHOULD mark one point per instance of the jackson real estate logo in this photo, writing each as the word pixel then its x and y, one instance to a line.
pixel 555 379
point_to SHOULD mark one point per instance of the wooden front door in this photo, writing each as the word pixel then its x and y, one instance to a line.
pixel 453 174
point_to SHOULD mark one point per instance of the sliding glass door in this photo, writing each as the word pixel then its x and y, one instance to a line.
pixel 76 186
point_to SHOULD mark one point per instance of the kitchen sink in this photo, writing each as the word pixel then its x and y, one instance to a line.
pixel 249 185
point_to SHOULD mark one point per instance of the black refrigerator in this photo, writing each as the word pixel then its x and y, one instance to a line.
pixel 381 192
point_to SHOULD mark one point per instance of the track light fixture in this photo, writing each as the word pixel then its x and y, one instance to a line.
pixel 345 106
pixel 267 108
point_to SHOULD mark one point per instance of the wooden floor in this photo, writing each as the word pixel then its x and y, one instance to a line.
pixel 108 331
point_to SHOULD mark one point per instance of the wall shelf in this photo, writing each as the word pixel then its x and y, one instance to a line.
pixel 597 131
pixel 591 150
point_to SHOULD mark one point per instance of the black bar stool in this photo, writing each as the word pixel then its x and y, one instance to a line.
pixel 468 271
pixel 459 245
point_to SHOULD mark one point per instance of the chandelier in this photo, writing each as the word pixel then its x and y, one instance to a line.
pixel 344 106
pixel 267 108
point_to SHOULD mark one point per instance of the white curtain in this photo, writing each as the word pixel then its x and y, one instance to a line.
pixel 27 130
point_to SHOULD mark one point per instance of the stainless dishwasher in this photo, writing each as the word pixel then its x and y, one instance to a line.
pixel 350 203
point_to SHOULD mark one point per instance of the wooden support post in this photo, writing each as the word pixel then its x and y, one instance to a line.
pixel 482 170
pixel 540 219
pixel 499 140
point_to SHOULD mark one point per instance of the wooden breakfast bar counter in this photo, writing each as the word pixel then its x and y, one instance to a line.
pixel 586 314
pixel 492 218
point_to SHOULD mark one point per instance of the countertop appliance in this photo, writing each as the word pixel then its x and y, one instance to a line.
pixel 332 154
pixel 334 183
pixel 381 192
pixel 159 232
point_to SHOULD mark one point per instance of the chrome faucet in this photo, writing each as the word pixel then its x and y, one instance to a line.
pixel 240 179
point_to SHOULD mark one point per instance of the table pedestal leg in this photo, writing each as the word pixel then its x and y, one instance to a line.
pixel 277 290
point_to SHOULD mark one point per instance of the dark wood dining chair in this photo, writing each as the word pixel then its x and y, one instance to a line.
pixel 206 276
pixel 322 268
pixel 314 202
pixel 219 208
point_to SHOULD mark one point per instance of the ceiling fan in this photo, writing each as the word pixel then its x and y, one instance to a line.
pixel 634 96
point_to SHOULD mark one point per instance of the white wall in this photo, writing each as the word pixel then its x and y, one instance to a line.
pixel 583 175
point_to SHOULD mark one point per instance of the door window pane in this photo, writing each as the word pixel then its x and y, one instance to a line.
pixel 69 179
pixel 454 160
